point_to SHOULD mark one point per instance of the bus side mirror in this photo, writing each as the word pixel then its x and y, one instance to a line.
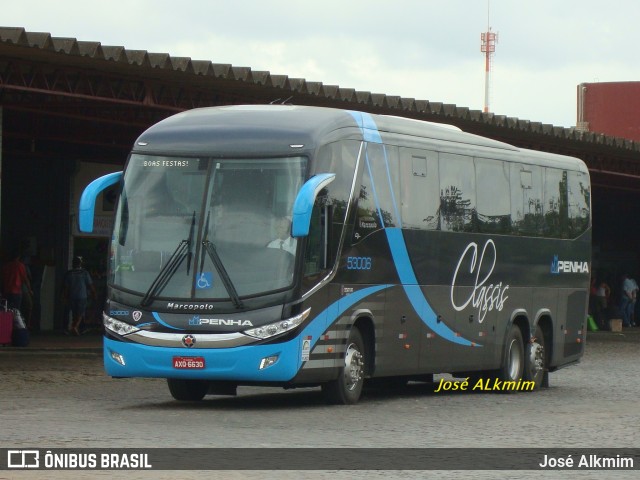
pixel 303 205
pixel 87 206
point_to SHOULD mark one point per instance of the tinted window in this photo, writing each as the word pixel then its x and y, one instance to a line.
pixel 555 203
pixel 314 255
pixel 492 195
pixel 382 162
pixel 457 193
pixel 367 218
pixel 579 202
pixel 339 158
pixel 377 205
pixel 420 189
pixel 526 199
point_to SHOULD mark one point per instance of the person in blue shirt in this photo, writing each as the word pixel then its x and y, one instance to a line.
pixel 77 286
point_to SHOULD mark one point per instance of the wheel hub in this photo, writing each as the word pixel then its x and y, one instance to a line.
pixel 536 358
pixel 354 366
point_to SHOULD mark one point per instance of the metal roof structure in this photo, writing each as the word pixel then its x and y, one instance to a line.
pixel 93 100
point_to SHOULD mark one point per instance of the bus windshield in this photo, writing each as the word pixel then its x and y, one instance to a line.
pixel 200 228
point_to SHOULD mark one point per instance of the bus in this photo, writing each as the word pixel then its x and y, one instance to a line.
pixel 298 246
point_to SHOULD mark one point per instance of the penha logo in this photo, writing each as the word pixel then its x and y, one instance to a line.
pixel 219 322
pixel 568 266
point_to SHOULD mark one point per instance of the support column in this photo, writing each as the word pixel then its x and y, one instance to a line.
pixel 1 115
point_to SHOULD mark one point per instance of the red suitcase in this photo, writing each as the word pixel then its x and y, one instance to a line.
pixel 6 325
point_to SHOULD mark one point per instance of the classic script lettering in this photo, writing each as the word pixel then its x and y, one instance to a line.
pixel 485 296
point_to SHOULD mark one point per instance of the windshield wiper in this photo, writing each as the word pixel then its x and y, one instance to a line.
pixel 224 276
pixel 210 248
pixel 190 241
pixel 183 250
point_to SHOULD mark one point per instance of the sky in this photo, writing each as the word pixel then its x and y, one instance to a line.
pixel 422 49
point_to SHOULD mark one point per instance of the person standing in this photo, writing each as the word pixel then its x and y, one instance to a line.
pixel 28 296
pixel 603 292
pixel 77 286
pixel 629 290
pixel 14 277
pixel 632 315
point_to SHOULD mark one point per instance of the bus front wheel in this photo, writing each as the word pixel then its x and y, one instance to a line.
pixel 347 387
pixel 187 390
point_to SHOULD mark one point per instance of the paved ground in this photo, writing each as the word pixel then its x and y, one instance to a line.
pixel 55 394
pixel 56 341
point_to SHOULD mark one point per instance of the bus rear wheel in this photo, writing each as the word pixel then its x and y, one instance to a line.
pixel 187 390
pixel 347 387
pixel 535 360
pixel 512 368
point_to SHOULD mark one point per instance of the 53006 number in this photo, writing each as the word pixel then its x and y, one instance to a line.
pixel 359 263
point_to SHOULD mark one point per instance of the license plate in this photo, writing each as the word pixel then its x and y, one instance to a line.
pixel 188 363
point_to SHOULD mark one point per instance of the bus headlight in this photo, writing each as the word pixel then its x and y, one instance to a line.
pixel 116 326
pixel 279 327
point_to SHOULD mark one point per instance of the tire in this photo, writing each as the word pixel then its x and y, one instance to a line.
pixel 535 360
pixel 512 368
pixel 347 387
pixel 187 390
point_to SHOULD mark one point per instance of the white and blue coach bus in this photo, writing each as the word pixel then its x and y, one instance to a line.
pixel 302 246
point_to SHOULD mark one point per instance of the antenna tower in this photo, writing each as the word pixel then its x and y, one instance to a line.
pixel 488 47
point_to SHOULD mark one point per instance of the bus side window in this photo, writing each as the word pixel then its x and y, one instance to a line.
pixel 457 193
pixel 317 256
pixel 526 199
pixel 367 216
pixel 420 197
pixel 494 202
pixel 579 202
pixel 556 211
pixel 377 203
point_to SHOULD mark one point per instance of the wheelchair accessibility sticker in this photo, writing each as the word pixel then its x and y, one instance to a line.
pixel 204 280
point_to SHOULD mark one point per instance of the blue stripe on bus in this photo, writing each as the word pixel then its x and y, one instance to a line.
pixel 161 322
pixel 399 251
pixel 413 291
pixel 367 126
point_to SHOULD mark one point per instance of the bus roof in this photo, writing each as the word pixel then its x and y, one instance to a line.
pixel 259 128
pixel 264 129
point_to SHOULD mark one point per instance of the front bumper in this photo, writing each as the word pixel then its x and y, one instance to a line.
pixel 238 364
